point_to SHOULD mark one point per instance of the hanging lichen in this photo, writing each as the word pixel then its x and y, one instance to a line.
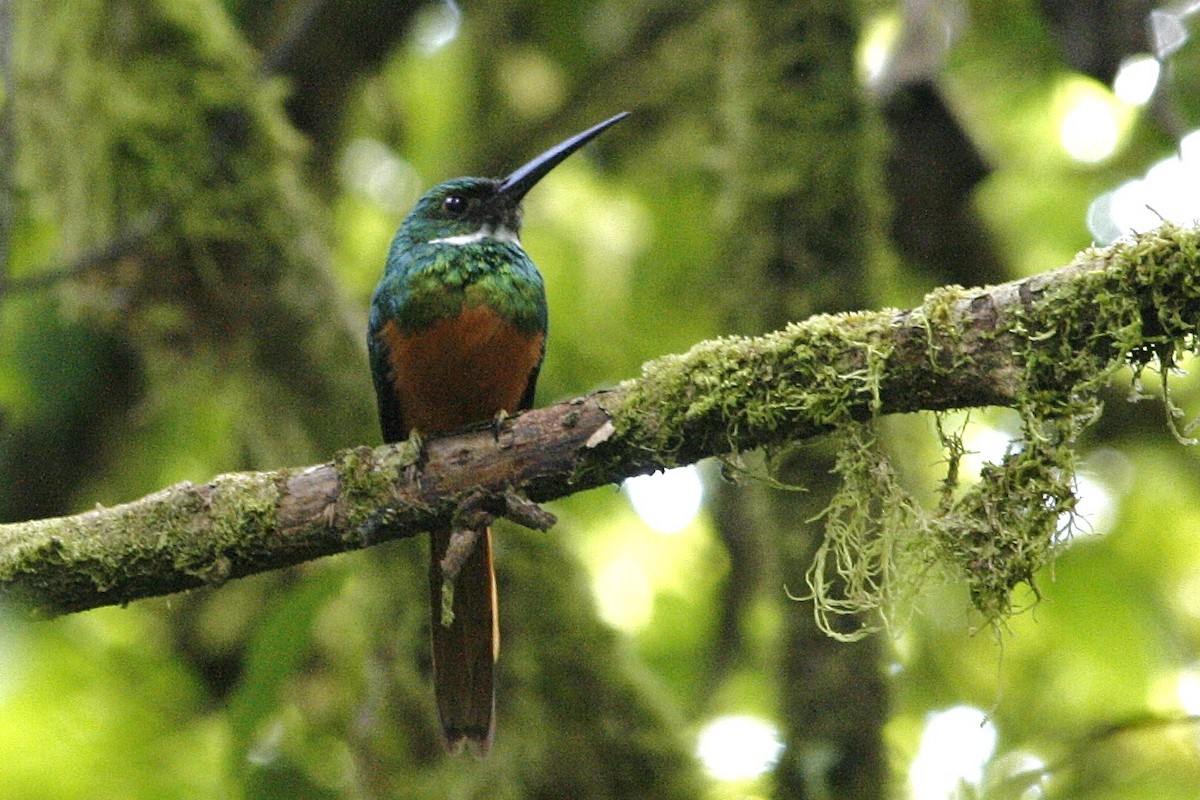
pixel 1045 347
pixel 1000 531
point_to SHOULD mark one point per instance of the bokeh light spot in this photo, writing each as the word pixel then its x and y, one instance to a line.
pixel 1095 507
pixel 1187 687
pixel 436 26
pixel 877 42
pixel 624 594
pixel 1136 79
pixel 1167 193
pixel 955 746
pixel 1091 127
pixel 667 501
pixel 738 747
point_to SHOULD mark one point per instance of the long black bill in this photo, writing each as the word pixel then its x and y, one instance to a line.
pixel 522 180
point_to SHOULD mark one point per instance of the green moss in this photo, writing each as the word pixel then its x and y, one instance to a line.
pixel 368 478
pixel 937 314
pixel 242 511
pixel 134 545
pixel 740 389
pixel 183 92
pixel 1005 528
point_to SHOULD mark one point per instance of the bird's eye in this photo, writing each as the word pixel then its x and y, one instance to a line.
pixel 454 204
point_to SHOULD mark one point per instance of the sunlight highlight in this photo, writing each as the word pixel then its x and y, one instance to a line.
pixel 533 84
pixel 372 169
pixel 955 747
pixel 1166 193
pixel 1136 79
pixel 878 39
pixel 667 501
pixel 1187 690
pixel 1092 121
pixel 1187 594
pixel 738 747
pixel 436 26
pixel 624 594
pixel 984 445
pixel 1095 508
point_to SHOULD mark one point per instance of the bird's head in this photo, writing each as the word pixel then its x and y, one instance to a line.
pixel 464 210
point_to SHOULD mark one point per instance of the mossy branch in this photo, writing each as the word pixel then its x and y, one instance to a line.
pixel 1042 345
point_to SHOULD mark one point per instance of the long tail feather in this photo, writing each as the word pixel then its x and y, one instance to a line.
pixel 465 651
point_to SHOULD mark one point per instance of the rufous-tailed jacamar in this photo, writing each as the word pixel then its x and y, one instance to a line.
pixel 457 335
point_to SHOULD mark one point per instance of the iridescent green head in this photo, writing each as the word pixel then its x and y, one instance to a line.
pixel 466 210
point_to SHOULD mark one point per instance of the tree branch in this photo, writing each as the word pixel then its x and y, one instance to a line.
pixel 1042 336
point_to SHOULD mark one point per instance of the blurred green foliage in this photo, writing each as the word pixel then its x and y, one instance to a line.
pixel 168 364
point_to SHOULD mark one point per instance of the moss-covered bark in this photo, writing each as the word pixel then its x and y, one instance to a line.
pixel 126 111
pixel 1041 345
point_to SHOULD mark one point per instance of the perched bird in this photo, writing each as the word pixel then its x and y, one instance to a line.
pixel 457 334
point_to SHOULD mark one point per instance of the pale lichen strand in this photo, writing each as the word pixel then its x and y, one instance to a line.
pixel 880 544
pixel 875 542
pixel 1008 525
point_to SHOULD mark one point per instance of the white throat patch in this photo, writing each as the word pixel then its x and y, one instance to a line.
pixel 500 234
